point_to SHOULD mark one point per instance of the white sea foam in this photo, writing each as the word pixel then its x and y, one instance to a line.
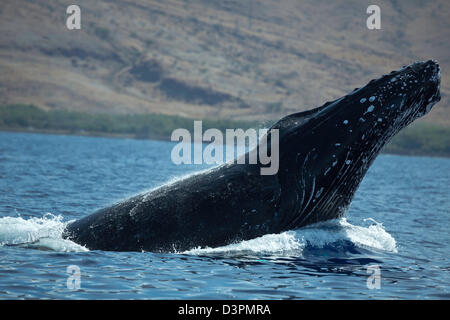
pixel 41 233
pixel 318 235
pixel 46 234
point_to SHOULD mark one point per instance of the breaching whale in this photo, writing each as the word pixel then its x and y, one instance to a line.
pixel 324 154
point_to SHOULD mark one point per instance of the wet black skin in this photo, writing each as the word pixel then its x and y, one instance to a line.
pixel 324 155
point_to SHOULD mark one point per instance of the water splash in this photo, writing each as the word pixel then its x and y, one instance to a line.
pixel 318 235
pixel 46 234
pixel 38 233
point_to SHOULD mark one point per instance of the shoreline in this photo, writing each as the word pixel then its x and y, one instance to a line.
pixel 94 134
pixel 420 139
pixel 99 134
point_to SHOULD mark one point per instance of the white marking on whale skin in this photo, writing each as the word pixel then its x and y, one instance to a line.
pixel 363 100
pixel 370 109
pixel 362 119
pixel 348 161
pixel 146 193
pixel 337 144
pixel 380 120
pixel 312 209
pixel 326 171
pixel 319 192
pixel 313 188
pixel 345 122
pixel 334 163
pixel 428 107
pixel 372 99
pixel 132 212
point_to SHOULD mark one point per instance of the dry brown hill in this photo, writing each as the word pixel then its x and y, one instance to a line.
pixel 254 59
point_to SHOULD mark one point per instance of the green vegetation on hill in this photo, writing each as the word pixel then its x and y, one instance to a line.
pixel 421 139
pixel 417 139
pixel 157 126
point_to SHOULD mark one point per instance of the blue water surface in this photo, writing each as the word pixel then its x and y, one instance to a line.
pixel 398 224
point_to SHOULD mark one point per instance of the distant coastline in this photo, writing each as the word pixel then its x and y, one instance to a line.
pixel 417 140
pixel 95 134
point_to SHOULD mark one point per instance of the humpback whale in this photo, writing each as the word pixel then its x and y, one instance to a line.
pixel 324 154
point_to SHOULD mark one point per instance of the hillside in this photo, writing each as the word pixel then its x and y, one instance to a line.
pixel 242 60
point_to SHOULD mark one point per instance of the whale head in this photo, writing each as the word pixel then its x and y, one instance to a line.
pixel 325 152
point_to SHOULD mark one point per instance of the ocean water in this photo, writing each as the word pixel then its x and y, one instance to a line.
pixel 393 244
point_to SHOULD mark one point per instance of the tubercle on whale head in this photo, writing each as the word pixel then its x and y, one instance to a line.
pixel 393 100
pixel 334 145
pixel 386 105
pixel 379 109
